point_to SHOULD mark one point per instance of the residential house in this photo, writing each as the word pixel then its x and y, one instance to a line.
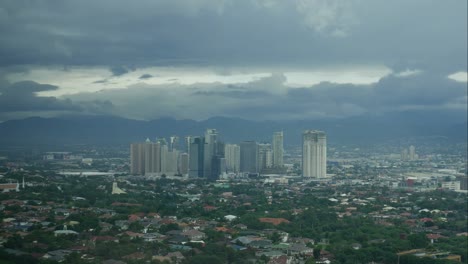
pixel 57 255
pixel 194 234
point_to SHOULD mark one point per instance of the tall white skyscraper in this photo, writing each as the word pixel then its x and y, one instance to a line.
pixel 172 162
pixel 211 136
pixel 188 141
pixel 314 154
pixel 404 154
pixel 264 156
pixel 164 159
pixel 412 153
pixel 232 155
pixel 278 149
pixel 152 157
pixel 174 143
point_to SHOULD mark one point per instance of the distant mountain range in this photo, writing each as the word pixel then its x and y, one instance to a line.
pixel 105 130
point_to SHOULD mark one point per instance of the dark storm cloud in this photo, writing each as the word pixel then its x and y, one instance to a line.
pixel 120 70
pixel 101 81
pixel 145 76
pixel 391 92
pixel 424 89
pixel 400 34
pixel 234 94
pixel 21 97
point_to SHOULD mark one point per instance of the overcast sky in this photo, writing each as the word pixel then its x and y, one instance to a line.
pixel 254 59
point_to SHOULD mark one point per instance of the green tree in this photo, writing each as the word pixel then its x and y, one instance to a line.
pixel 14 242
pixel 206 259
pixel 418 240
pixel 275 237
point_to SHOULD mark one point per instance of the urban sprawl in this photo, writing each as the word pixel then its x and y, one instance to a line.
pixel 197 199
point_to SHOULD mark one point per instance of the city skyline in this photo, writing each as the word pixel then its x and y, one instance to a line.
pixel 210 158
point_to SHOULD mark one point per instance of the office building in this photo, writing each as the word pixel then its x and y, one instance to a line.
pixel 164 158
pixel 463 182
pixel 278 150
pixel 232 155
pixel 211 138
pixel 206 156
pixel 174 143
pixel 218 167
pixel 172 159
pixel 188 141
pixel 152 157
pixel 314 154
pixel 409 155
pixel 404 154
pixel 264 156
pixel 196 157
pixel 137 158
pixel 412 153
pixel 183 164
pixel 249 157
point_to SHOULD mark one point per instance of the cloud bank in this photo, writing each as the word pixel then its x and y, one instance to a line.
pixel 99 57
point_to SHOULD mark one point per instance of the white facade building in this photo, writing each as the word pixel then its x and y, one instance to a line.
pixel 451 185
pixel 314 154
pixel 232 155
pixel 264 156
pixel 278 150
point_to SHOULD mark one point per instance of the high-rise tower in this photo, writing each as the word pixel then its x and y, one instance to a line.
pixel 174 143
pixel 183 164
pixel 412 153
pixel 137 158
pixel 232 154
pixel 196 157
pixel 249 156
pixel 264 156
pixel 314 154
pixel 278 149
pixel 211 147
pixel 152 157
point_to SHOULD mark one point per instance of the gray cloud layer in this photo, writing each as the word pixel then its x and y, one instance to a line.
pixel 400 33
pixel 19 100
pixel 269 98
pixel 21 96
pixel 123 35
pixel 266 98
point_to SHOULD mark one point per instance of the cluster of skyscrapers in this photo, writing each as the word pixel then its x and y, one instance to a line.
pixel 158 157
pixel 208 157
pixel 409 154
